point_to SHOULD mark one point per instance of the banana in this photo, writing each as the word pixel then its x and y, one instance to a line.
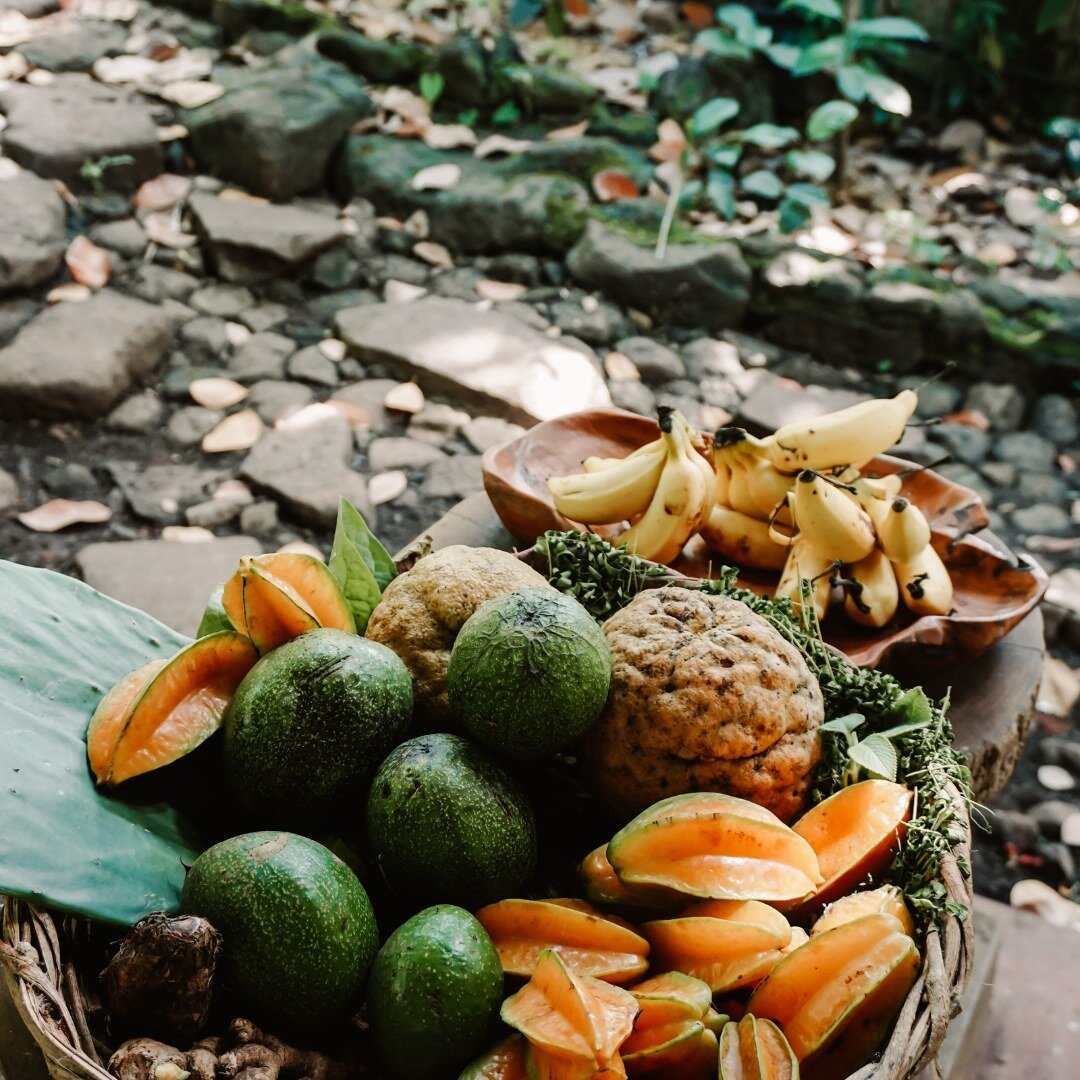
pixel 902 530
pixel 674 514
pixel 830 519
pixel 743 539
pixel 612 494
pixel 708 473
pixel 599 464
pixel 806 561
pixel 739 495
pixel 766 485
pixel 871 591
pixel 852 436
pixel 925 585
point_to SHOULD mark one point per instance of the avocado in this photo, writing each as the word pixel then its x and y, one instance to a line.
pixel 529 674
pixel 434 994
pixel 309 725
pixel 299 933
pixel 446 823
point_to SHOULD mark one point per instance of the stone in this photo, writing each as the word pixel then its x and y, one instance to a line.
pixel 488 359
pixel 1054 418
pixel 31 231
pixel 277 126
pixel 463 64
pixel 453 477
pixel 437 423
pixel 965 138
pixel 936 399
pixel 206 337
pixel 597 324
pixel 1014 827
pixel 157 283
pixel 273 399
pixel 111 124
pixel 15 313
pixel 305 469
pixel 169 581
pixel 75 45
pixel 251 242
pixel 526 314
pixel 705 357
pixel 775 402
pixel 9 491
pixel 695 285
pixel 484 432
pixel 335 269
pixel 1023 207
pixel 960 473
pixel 1001 403
pixel 684 88
pixel 369 396
pixel 1049 814
pixel 137 415
pixel 901 300
pixel 177 382
pixel 1000 473
pixel 381 61
pixel 1033 487
pixel 311 366
pixel 543 89
pixel 832 280
pixel 632 395
pixel 1026 450
pixel 126 237
pixel 259 517
pixel 262 356
pixel 221 299
pixel 80 359
pixel 754 352
pixel 216 512
pixel 72 480
pixel 1042 519
pixel 655 362
pixel 264 317
pixel 160 493
pixel 188 425
pixel 400 453
pixel 967 444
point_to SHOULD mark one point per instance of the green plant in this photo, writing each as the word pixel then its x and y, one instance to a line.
pixel 93 170
pixel 432 84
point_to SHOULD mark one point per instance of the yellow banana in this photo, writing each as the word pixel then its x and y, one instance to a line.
pixel 708 473
pixel 902 530
pixel 925 585
pixel 739 495
pixel 678 505
pixel 806 561
pixel 610 495
pixel 851 436
pixel 766 484
pixel 831 520
pixel 599 464
pixel 742 539
pixel 871 590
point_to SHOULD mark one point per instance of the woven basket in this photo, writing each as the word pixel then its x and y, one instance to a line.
pixel 47 994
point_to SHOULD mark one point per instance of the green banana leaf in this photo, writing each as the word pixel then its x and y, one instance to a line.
pixel 63 843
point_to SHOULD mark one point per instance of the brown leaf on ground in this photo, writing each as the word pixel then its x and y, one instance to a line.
pixel 698 16
pixel 449 136
pixel 57 514
pixel 387 486
pixel 217 392
pixel 499 292
pixel 670 141
pixel 87 263
pixel 621 368
pixel 434 254
pixel 241 431
pixel 71 292
pixel 969 418
pixel 500 144
pixel 611 184
pixel 163 192
pixel 406 397
pixel 162 231
pixel 437 177
pixel 568 133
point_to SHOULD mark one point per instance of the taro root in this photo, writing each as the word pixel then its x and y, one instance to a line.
pixel 148 1059
pixel 162 976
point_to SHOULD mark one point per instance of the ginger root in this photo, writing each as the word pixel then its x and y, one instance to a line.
pixel 148 1059
pixel 202 1058
pixel 261 1056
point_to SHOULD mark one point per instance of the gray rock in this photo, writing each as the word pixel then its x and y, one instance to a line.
pixel 188 425
pixel 137 415
pixel 1042 519
pixel 216 512
pixel 111 123
pixel 707 357
pixel 1000 473
pixel 1041 487
pixel 966 138
pixel 656 363
pixel 262 356
pixel 277 126
pixel 157 283
pixel 834 281
pixel 206 337
pixel 484 432
pixel 169 581
pixel 959 320
pixel 528 315
pixel 960 473
pixel 775 402
pixel 126 237
pixel 76 45
pixel 1061 750
pixel 9 491
pixel 161 493
pixel 399 453
pixel 225 301
pixel 1049 814
pixel 437 423
pixel 719 391
pixel 453 478
pixel 632 395
pixel 177 382
pixel 31 231
pixel 252 242
pixel 1026 450
pixel 72 480
pixel 696 284
pixel 599 325
pixel 15 313
pixel 491 360
pixel 310 366
pixel 936 399
pixel 79 359
pixel 273 399
pixel 264 317
pixel 901 300
pixel 967 444
pixel 260 517
pixel 382 61
pixel 1014 827
pixel 369 396
pixel 1001 403
pixel 543 89
pixel 306 470
pixel 335 269
pixel 753 351
pixel 1055 419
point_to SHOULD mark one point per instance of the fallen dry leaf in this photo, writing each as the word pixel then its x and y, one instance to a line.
pixel 171 132
pixel 1055 778
pixel 186 534
pixel 670 141
pixel 236 333
pixel 163 192
pixel 387 486
pixel 434 254
pixel 969 418
pixel 401 292
pixel 191 93
pixel 437 177
pixel 500 144
pixel 406 104
pixel 566 134
pixel 301 547
pixel 87 263
pixel 449 136
pixel 621 368
pixel 1037 897
pixel 233 490
pixel 500 292
pixel 122 11
pixel 57 514
pixel 417 224
pixel 217 392
pixel 406 397
pixel 241 431
pixel 333 349
pixel 161 230
pixel 71 292
pixel 357 415
pixel 611 184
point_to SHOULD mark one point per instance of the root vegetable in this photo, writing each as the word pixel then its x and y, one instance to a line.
pixel 202 1058
pixel 148 1059
pixel 262 1056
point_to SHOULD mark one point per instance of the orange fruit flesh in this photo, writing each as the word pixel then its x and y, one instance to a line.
pixel 274 611
pixel 672 996
pixel 603 887
pixel 504 1061
pixel 313 583
pixel 888 900
pixel 755 1049
pixel 107 723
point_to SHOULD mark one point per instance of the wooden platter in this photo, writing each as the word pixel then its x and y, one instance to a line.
pixel 992 592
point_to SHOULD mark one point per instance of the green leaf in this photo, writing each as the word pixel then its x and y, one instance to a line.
pixel 829 119
pixel 912 707
pixel 1063 127
pixel 736 16
pixel 891 27
pixel 876 755
pixel 712 115
pixel 809 195
pixel 793 215
pixel 718 43
pixel 782 55
pixel 725 156
pixel 1050 14
pixel 851 81
pixel 888 94
pixel 214 619
pixel 822 54
pixel 431 86
pixel 764 184
pixel 359 563
pixel 845 724
pixel 827 9
pixel 768 136
pixel 813 164
pixel 720 189
pixel 506 114
pixel 65 844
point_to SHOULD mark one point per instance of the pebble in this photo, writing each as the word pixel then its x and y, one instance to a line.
pixel 1026 450
pixel 1050 815
pixel 388 454
pixel 1014 827
pixel 1001 403
pixel 311 366
pixel 73 480
pixel 1054 418
pixel 1042 519
pixel 656 363
pixel 601 326
pixel 1059 750
pixel 188 425
pixel 633 396
pixel 262 356
pixel 219 298
pixel 484 432
pixel 259 518
pixel 263 317
pixel 9 491
pixel 1055 778
pixel 436 422
pixel 137 415
pixel 966 444
pixel 453 478
pixel 1070 828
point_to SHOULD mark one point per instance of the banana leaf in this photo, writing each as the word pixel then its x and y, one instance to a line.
pixel 64 843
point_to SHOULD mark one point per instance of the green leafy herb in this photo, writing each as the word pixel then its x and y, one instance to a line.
pixel 829 119
pixel 359 563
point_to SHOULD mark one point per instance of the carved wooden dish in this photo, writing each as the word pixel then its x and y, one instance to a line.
pixel 991 593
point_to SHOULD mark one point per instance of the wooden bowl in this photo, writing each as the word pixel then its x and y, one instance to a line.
pixel 991 593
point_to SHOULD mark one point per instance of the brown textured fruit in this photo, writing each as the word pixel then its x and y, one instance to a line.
pixel 755 1049
pixel 730 705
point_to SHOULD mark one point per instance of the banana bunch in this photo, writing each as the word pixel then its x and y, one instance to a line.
pixel 664 489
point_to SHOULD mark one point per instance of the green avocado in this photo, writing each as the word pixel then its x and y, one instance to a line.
pixel 297 925
pixel 309 725
pixel 529 674
pixel 446 823
pixel 434 994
